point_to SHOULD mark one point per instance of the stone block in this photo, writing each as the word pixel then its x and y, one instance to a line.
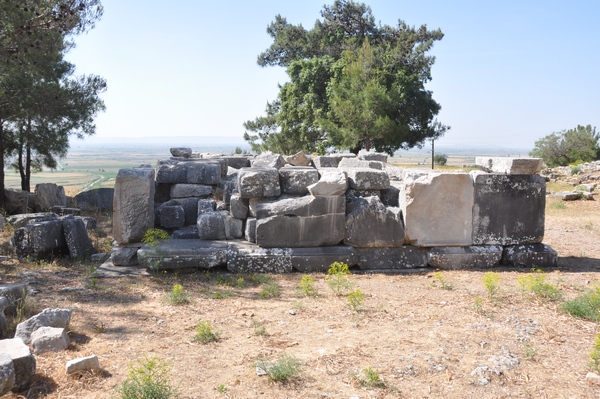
pixel 21 220
pixel 374 156
pixel 206 205
pixel 510 165
pixel 301 206
pixel 208 172
pixel 234 228
pixel 190 209
pixel 182 190
pixel 49 339
pixel 211 226
pixel 183 152
pixel 370 224
pixel 465 258
pixel 185 233
pixel 351 194
pixel 22 359
pixel 296 179
pixel 353 163
pixel 124 256
pixel 319 259
pixel 89 223
pixel 238 206
pixel 250 230
pixel 42 240
pixel 529 256
pixel 48 195
pixel 406 257
pixel 78 242
pixel 228 187
pixel 133 208
pixel 568 195
pixel 183 254
pixel 268 160
pixel 59 318
pixel 253 203
pixel 16 294
pixel 16 201
pixel 300 231
pixel 7 374
pixel 331 183
pixel 243 257
pixel 391 195
pixel 368 179
pixel 170 216
pixel 299 159
pixel 89 363
pixel 258 182
pixel 438 209
pixel 327 161
pixel 508 209
pixel 95 199
pixel 238 161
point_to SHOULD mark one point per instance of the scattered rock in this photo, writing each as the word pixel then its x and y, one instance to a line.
pixel 22 359
pixel 7 374
pixel 58 318
pixel 49 339
pixel 89 363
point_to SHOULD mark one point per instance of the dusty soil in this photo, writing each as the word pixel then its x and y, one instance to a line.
pixel 424 341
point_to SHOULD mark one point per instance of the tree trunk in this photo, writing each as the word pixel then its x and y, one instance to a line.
pixel 20 158
pixel 2 196
pixel 27 181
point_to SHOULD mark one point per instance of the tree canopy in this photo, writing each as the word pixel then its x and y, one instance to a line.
pixel 581 144
pixel 353 84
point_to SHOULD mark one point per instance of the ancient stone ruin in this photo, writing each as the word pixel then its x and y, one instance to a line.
pixel 274 214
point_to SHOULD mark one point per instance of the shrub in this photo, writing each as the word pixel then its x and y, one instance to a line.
pixel 595 355
pixel 307 286
pixel 177 296
pixel 355 300
pixel 585 306
pixel 536 283
pixel 284 368
pixel 205 333
pixel 148 379
pixel 372 378
pixel 491 281
pixel 270 290
pixel 337 277
pixel 440 159
pixel 441 279
pixel 153 236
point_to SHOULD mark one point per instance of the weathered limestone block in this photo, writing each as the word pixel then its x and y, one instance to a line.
pixel 250 230
pixel 206 205
pixel 352 163
pixel 16 294
pixel 183 254
pixel 22 359
pixel 301 206
pixel 327 161
pixel 567 196
pixel 197 171
pixel 238 161
pixel 391 195
pixel 78 242
pixel 89 363
pixel 374 156
pixel 182 190
pixel 49 339
pixel 258 182
pixel 183 152
pixel 48 195
pixel 299 159
pixel 7 374
pixel 16 201
pixel 296 179
pixel 405 257
pixel 331 183
pixel 369 224
pixel 234 228
pixel 368 179
pixel 185 233
pixel 238 206
pixel 438 209
pixel 319 259
pixel 529 256
pixel 58 318
pixel 510 165
pixel 464 258
pixel 18 221
pixel 268 160
pixel 211 226
pixel 133 209
pixel 95 199
pixel 243 257
pixel 253 203
pixel 508 209
pixel 170 216
pixel 190 208
pixel 124 256
pixel 43 240
pixel 300 231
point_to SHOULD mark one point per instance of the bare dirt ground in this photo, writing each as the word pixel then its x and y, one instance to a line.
pixel 424 341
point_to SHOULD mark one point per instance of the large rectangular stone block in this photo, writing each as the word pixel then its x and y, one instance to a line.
pixel 300 231
pixel 464 258
pixel 301 206
pixel 191 172
pixel 133 206
pixel 183 254
pixel 370 224
pixel 244 257
pixel 530 256
pixel 258 182
pixel 368 179
pixel 406 257
pixel 438 209
pixel 510 165
pixel 508 209
pixel 310 260
pixel 296 179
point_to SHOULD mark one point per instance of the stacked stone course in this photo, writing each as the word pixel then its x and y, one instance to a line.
pixel 274 214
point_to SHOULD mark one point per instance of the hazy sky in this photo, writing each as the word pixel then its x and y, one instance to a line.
pixel 506 73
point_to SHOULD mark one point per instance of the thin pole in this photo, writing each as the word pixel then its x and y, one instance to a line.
pixel 432 153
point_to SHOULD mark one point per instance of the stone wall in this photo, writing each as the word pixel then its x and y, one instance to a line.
pixel 274 214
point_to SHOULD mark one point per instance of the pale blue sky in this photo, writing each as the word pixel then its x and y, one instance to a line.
pixel 506 74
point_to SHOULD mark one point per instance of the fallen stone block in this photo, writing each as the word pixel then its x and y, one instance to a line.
pixel 133 209
pixel 78 242
pixel 301 206
pixel 438 209
pixel 369 224
pixel 465 258
pixel 183 254
pixel 41 240
pixel 299 159
pixel 268 160
pixel 508 209
pixel 296 179
pixel 48 195
pixel 59 318
pixel 258 182
pixel 331 183
pixel 124 256
pixel 22 220
pixel 16 201
pixel 568 195
pixel 310 260
pixel 183 152
pixel 96 199
pixel 49 339
pixel 81 364
pixel 406 257
pixel 510 165
pixel 300 231
pixel 368 179
pixel 7 374
pixel 529 256
pixel 22 360
pixel 243 257
pixel 182 190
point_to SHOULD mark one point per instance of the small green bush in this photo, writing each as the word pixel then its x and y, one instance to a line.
pixel 153 236
pixel 585 306
pixel 441 279
pixel 595 355
pixel 536 283
pixel 337 278
pixel 284 368
pixel 148 379
pixel 205 333
pixel 270 290
pixel 307 286
pixel 372 378
pixel 355 300
pixel 491 281
pixel 259 328
pixel 177 296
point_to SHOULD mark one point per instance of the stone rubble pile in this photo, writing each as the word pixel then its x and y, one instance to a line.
pixel 278 214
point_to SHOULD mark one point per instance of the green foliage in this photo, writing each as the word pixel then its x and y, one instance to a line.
pixel 585 306
pixel 177 296
pixel 307 286
pixel 441 280
pixel 595 355
pixel 580 144
pixel 270 290
pixel 222 388
pixel 282 369
pixel 536 283
pixel 337 278
pixel 205 333
pixel 355 299
pixel 478 305
pixel 372 378
pixel 148 379
pixel 491 281
pixel 530 351
pixel 153 236
pixel 440 159
pixel 259 328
